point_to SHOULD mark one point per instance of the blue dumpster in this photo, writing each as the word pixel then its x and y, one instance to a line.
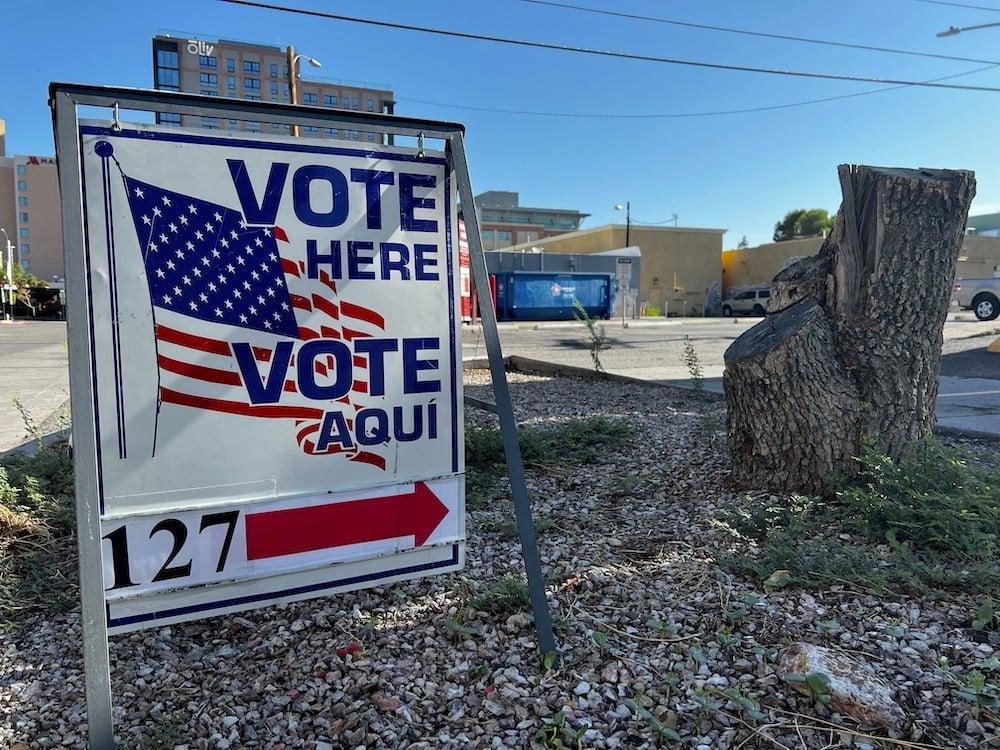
pixel 539 295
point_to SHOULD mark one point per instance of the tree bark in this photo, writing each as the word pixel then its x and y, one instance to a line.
pixel 851 349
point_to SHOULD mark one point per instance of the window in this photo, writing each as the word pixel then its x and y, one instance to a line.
pixel 23 216
pixel 252 127
pixel 211 79
pixel 22 201
pixel 210 122
pixel 371 105
pixel 249 66
pixel 309 98
pixel 252 83
pixel 167 74
pixel 230 64
pixel 233 124
pixel 22 185
pixel 251 97
pixel 25 249
pixel 311 130
pixel 331 132
pixel 764 294
pixel 330 100
pixel 22 168
pixel 371 137
pixel 231 83
pixel 209 92
pixel 24 233
pixel 274 88
pixel 208 61
pixel 170 118
pixel 274 70
pixel 26 264
pixel 354 102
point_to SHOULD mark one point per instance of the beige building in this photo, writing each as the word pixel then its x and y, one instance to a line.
pixel 679 264
pixel 758 265
pixel 29 211
pixel 257 72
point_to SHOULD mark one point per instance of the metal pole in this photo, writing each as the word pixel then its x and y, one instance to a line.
pixel 293 82
pixel 628 224
pixel 505 408
pixel 96 664
pixel 8 299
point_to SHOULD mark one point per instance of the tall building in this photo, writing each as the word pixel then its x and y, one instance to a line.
pixel 503 222
pixel 257 72
pixel 30 213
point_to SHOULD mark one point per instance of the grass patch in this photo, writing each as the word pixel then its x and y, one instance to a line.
pixel 570 443
pixel 505 596
pixel 928 520
pixel 37 551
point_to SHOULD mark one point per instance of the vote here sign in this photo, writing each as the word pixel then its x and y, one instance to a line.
pixel 276 368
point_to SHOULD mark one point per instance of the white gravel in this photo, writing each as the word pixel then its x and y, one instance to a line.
pixel 630 543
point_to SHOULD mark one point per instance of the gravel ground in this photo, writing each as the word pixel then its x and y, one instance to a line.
pixel 628 542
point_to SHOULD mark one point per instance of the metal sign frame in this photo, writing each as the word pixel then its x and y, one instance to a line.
pixel 64 100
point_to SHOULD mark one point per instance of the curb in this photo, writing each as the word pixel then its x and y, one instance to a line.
pixel 527 365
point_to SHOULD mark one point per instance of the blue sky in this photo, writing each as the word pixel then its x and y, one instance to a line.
pixel 740 172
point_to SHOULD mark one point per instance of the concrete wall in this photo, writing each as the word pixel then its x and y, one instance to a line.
pixel 687 257
pixel 758 265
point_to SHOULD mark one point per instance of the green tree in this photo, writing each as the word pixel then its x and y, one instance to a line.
pixel 743 243
pixel 803 222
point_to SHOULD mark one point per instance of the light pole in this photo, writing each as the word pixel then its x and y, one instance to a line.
pixel 9 313
pixel 627 208
pixel 955 30
pixel 293 76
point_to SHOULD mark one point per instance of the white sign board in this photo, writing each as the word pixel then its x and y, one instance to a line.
pixel 276 368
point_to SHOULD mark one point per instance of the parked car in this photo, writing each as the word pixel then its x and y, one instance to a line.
pixel 747 302
pixel 982 296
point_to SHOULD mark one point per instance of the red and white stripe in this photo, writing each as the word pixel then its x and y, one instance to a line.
pixel 198 369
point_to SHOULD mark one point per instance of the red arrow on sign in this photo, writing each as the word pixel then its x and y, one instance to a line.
pixel 293 530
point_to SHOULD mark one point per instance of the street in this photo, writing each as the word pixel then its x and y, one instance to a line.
pixel 654 350
pixel 33 366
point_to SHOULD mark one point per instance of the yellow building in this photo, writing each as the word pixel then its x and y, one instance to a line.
pixel 758 265
pixel 679 264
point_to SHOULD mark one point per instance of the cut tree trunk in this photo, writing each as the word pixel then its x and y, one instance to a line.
pixel 851 348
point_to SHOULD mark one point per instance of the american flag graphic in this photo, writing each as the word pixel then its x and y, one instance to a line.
pixel 210 274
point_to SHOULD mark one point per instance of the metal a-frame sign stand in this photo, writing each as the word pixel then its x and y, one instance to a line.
pixel 65 99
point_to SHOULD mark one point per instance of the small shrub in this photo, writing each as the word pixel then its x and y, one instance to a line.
pixel 597 337
pixel 693 364
pixel 928 520
pixel 37 552
pixel 930 498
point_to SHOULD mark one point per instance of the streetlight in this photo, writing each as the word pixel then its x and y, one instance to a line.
pixel 955 30
pixel 627 208
pixel 293 76
pixel 9 314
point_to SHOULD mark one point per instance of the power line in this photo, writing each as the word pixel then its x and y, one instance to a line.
pixel 747 32
pixel 604 53
pixel 958 5
pixel 681 115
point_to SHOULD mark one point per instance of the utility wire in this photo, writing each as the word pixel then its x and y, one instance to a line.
pixel 958 5
pixel 604 53
pixel 681 115
pixel 747 32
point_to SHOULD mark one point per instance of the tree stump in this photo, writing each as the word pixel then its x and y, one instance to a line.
pixel 851 348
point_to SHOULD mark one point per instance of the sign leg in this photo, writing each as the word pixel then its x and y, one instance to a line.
pixel 96 664
pixel 505 408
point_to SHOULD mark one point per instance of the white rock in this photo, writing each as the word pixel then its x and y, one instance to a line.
pixel 582 688
pixel 855 688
